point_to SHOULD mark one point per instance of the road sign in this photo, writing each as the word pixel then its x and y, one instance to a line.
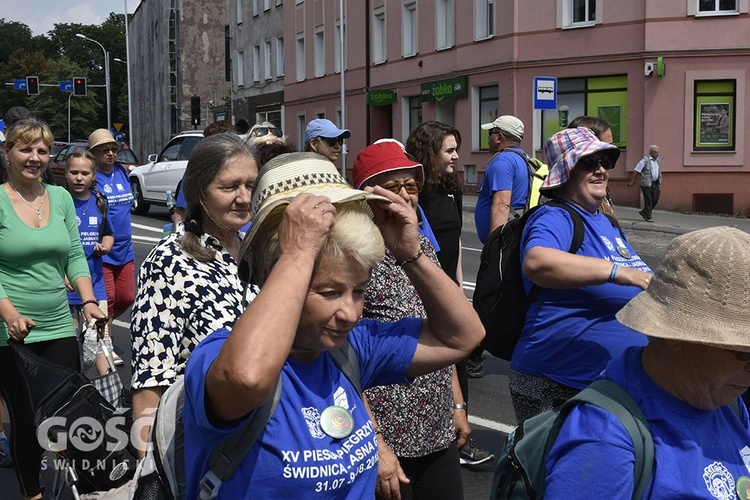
pixel 19 84
pixel 545 92
pixel 119 136
pixel 117 125
pixel 66 85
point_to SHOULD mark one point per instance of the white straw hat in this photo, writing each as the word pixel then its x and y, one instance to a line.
pixel 700 293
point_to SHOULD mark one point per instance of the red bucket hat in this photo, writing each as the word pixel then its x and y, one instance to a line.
pixel 385 155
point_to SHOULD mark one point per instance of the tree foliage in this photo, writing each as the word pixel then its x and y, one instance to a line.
pixel 61 56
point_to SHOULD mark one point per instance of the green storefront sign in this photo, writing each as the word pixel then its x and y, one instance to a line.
pixel 381 97
pixel 452 88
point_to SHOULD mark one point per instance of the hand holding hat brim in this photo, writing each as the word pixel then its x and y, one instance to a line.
pixel 397 221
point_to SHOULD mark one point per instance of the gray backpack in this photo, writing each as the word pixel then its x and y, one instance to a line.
pixel 161 475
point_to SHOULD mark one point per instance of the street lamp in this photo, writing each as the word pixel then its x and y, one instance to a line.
pixel 106 77
pixel 130 105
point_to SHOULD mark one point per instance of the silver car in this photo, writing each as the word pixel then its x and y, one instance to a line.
pixel 162 173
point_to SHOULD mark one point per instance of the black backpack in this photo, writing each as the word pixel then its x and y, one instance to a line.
pixel 499 296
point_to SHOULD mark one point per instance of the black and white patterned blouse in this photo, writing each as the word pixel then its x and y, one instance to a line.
pixel 179 302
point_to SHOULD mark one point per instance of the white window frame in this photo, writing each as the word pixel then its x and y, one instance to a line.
pixel 239 11
pixel 300 59
pixel 319 53
pixel 444 22
pixel 256 8
pixel 379 53
pixel 240 69
pixel 280 56
pixel 694 9
pixel 484 19
pixel 565 15
pixel 409 30
pixel 266 5
pixel 256 63
pixel 267 59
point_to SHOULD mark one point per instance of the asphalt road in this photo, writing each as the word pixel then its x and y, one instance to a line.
pixel 491 412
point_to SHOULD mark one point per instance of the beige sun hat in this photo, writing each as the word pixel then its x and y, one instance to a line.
pixel 284 177
pixel 100 136
pixel 700 293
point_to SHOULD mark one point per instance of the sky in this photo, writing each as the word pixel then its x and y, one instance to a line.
pixel 41 15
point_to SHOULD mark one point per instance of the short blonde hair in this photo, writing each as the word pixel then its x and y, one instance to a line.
pixel 28 131
pixel 354 235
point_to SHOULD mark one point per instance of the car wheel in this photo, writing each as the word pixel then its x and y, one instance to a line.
pixel 139 207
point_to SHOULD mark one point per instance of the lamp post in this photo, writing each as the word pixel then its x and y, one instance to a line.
pixel 130 106
pixel 106 77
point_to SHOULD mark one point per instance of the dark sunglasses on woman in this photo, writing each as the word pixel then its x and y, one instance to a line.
pixel 264 131
pixel 592 163
pixel 332 141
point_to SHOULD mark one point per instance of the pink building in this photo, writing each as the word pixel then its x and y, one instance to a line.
pixel 659 72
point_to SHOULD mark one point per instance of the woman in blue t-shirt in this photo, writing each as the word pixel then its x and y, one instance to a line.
pixel 570 333
pixel 313 243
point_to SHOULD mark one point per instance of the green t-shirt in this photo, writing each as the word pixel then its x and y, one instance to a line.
pixel 34 262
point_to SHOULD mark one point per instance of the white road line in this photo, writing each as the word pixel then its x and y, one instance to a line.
pixel 147 228
pixel 472 249
pixel 145 239
pixel 491 424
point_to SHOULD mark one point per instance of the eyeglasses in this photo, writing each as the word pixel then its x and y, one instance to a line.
pixel 332 141
pixel 411 186
pixel 495 131
pixel 264 131
pixel 592 163
pixel 106 151
pixel 740 355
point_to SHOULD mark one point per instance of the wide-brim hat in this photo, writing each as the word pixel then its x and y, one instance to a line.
pixel 700 292
pixel 383 156
pixel 566 148
pixel 320 127
pixel 284 177
pixel 100 136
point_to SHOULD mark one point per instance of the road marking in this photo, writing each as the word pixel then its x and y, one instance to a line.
pixel 145 239
pixel 472 249
pixel 491 424
pixel 147 228
pixel 121 324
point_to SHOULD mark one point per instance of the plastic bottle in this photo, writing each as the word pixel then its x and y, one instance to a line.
pixel 170 200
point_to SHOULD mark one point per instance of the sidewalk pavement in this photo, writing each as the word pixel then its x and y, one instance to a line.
pixel 664 221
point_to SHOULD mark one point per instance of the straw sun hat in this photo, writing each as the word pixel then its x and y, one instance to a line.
pixel 284 177
pixel 700 293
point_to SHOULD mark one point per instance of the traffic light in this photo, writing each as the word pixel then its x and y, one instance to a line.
pixel 32 85
pixel 79 86
pixel 195 110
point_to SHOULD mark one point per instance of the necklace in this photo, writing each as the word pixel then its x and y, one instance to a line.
pixel 111 176
pixel 38 209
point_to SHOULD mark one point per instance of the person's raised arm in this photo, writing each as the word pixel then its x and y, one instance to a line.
pixel 245 372
pixel 452 328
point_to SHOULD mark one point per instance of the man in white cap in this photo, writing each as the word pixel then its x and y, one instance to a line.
pixel 504 189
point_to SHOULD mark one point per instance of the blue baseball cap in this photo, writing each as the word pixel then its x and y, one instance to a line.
pixel 320 127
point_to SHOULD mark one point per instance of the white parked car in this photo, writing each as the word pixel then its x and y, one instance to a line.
pixel 150 182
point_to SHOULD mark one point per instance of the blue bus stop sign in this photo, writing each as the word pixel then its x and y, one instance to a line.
pixel 545 92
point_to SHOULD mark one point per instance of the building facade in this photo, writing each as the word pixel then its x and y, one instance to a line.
pixel 671 73
pixel 178 50
pixel 256 48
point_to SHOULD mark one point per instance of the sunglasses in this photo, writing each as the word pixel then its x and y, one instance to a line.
pixel 740 355
pixel 332 141
pixel 592 163
pixel 264 131
pixel 411 186
pixel 495 131
pixel 106 151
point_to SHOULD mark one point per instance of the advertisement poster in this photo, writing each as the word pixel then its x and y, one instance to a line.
pixel 715 124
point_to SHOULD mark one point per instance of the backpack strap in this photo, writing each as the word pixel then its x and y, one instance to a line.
pixel 226 458
pixel 610 396
pixel 102 205
pixel 531 168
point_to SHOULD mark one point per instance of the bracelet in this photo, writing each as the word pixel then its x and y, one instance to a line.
pixel 378 431
pixel 459 406
pixel 90 301
pixel 409 261
pixel 615 268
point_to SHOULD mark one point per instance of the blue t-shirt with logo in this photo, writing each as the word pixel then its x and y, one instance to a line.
pixel 116 187
pixel 697 453
pixel 571 334
pixel 505 172
pixel 293 457
pixel 89 221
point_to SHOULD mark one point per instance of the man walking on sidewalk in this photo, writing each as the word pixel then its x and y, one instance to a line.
pixel 648 174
